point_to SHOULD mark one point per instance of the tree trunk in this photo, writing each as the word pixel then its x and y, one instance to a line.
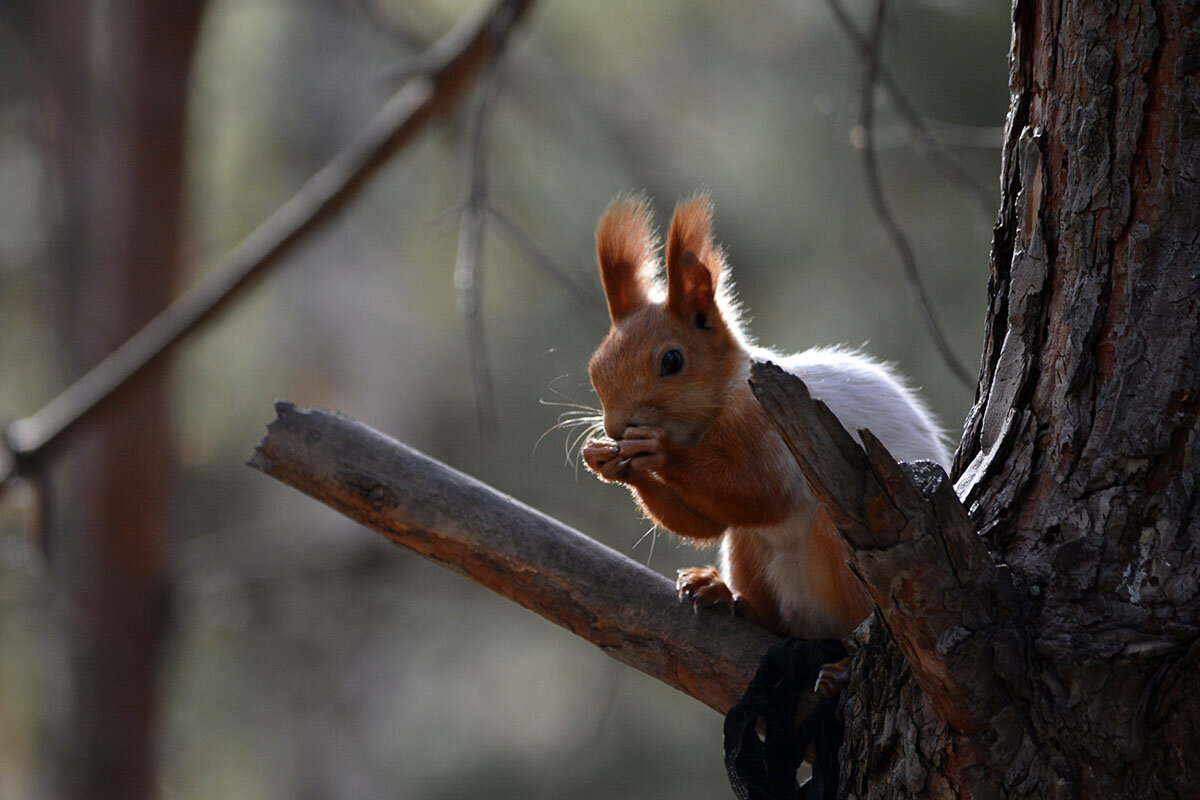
pixel 117 82
pixel 1080 459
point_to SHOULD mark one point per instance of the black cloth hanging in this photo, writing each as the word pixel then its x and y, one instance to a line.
pixel 765 769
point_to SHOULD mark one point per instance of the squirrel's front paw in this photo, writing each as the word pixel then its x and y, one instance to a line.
pixel 704 587
pixel 644 447
pixel 640 450
pixel 604 458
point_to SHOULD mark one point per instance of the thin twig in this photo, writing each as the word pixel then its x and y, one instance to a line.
pixel 928 142
pixel 883 212
pixel 588 300
pixel 967 137
pixel 451 64
pixel 468 266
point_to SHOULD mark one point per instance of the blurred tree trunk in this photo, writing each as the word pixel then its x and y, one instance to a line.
pixel 1080 463
pixel 116 79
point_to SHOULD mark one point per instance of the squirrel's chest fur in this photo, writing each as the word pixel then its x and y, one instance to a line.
pixel 795 567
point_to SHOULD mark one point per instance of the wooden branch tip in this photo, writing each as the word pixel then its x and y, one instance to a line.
pixel 628 610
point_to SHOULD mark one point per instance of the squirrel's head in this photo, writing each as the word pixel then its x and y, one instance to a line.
pixel 673 351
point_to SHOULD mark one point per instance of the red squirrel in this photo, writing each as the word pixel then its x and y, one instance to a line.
pixel 685 434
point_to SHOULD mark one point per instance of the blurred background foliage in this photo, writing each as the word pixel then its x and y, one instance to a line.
pixel 308 658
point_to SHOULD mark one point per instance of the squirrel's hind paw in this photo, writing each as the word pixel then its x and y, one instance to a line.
pixel 705 588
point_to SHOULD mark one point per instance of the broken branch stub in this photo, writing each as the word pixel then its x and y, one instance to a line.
pixel 947 605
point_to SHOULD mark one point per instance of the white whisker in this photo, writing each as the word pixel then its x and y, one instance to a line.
pixel 572 444
pixel 581 406
pixel 574 416
pixel 642 538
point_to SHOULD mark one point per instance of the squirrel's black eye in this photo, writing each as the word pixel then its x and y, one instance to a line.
pixel 672 362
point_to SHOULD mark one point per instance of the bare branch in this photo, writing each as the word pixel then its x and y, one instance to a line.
pixel 628 610
pixel 928 142
pixel 588 300
pixel 945 601
pixel 883 212
pixel 468 266
pixel 967 137
pixel 449 66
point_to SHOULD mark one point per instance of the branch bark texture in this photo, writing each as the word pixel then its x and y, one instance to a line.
pixel 913 546
pixel 1080 461
pixel 626 609
pixel 1082 452
pixel 946 618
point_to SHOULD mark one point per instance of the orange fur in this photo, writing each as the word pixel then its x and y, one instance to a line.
pixel 695 447
pixel 691 231
pixel 844 596
pixel 746 558
pixel 625 247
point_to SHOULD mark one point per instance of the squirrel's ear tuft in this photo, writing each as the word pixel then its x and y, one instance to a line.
pixel 625 245
pixel 694 262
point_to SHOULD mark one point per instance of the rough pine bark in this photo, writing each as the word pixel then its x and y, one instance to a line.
pixel 1080 458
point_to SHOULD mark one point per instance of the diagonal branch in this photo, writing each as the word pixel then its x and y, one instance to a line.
pixel 628 610
pixel 444 72
pixel 879 203
pixel 468 266
pixel 950 608
pixel 586 298
pixel 929 142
